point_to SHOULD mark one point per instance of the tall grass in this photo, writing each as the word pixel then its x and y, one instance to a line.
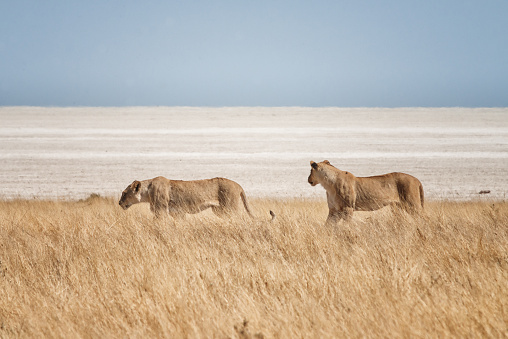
pixel 88 269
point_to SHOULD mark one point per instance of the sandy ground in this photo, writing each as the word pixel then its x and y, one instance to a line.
pixel 73 152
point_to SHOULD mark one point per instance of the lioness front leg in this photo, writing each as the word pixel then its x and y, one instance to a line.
pixel 346 213
pixel 335 215
pixel 162 212
pixel 158 211
pixel 332 219
pixel 177 216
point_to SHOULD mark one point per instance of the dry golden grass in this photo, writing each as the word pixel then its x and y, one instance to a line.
pixel 89 269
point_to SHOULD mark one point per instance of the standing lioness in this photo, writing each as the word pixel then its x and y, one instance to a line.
pixel 346 193
pixel 178 197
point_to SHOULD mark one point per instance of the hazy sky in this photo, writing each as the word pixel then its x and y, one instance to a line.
pixel 254 53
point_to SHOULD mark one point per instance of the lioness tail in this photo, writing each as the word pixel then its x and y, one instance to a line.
pixel 246 205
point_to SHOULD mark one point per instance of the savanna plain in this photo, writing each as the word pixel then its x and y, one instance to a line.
pixel 73 264
pixel 88 269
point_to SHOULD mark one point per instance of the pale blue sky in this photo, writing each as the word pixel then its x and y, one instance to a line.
pixel 254 53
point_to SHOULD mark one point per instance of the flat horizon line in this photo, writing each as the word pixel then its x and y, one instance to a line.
pixel 247 106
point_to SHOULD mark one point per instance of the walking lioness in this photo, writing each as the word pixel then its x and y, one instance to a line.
pixel 346 193
pixel 177 197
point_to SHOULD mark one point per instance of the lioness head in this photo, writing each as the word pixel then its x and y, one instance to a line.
pixel 314 172
pixel 131 195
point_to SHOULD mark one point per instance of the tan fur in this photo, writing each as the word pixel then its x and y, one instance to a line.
pixel 177 197
pixel 346 193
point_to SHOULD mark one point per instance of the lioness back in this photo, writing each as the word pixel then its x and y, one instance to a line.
pixel 397 187
pixel 215 189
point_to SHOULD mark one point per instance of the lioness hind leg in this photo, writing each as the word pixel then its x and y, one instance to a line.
pixel 224 212
pixel 404 208
pixel 410 198
pixel 230 204
pixel 410 205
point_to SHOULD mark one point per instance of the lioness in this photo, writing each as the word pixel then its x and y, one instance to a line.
pixel 346 193
pixel 177 197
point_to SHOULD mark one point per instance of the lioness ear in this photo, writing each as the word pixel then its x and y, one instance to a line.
pixel 313 164
pixel 326 162
pixel 136 185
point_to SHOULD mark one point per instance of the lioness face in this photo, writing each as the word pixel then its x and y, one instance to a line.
pixel 131 195
pixel 313 177
pixel 318 172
